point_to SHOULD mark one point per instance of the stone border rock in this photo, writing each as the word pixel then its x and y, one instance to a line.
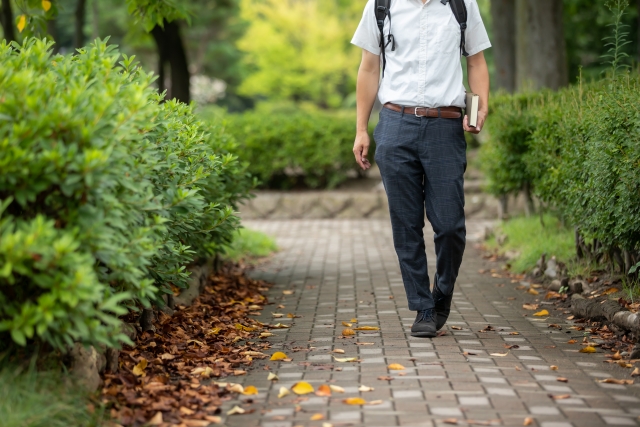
pixel 607 310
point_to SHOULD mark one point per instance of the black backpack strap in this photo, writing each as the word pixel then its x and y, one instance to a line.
pixel 459 9
pixel 382 12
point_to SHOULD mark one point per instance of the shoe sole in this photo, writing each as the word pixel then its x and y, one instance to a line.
pixel 424 334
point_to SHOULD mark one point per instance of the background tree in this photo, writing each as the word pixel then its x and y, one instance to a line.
pixel 503 13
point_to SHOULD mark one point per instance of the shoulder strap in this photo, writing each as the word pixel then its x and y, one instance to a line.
pixel 459 9
pixel 382 12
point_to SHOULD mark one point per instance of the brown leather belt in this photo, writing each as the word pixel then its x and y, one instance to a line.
pixel 443 112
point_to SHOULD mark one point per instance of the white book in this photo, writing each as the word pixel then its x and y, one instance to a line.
pixel 473 103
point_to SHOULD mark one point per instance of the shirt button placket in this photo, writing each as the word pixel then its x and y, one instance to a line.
pixel 422 60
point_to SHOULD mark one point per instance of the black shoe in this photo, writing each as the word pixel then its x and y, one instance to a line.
pixel 442 307
pixel 425 325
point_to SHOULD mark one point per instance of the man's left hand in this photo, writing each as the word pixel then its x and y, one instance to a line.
pixel 482 116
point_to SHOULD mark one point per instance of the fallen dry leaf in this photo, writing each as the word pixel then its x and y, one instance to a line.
pixel 316 417
pixel 277 315
pixel 616 381
pixel 346 324
pixel 514 333
pixel 530 306
pixel 396 367
pixel 587 349
pixel 364 388
pixel 323 390
pixel 138 370
pixel 250 390
pixel 559 396
pixel 617 356
pixel 302 387
pixel 355 401
pixel 266 334
pixel 338 350
pixel 345 359
pixel 283 392
pixel 348 332
pixel 278 355
pixel 456 328
pixel 636 372
pixel 156 420
pixel 336 388
pixel 367 328
pixel 541 313
pixel 572 342
pixel 236 410
pixel 500 354
pixel 468 353
pixel 354 320
pixel 562 380
pixel 375 402
pixel 453 421
pixel 533 292
pixel 365 343
pixel 386 378
pixel 553 367
pixel 527 421
pixel 287 292
pixel 272 377
pixel 610 291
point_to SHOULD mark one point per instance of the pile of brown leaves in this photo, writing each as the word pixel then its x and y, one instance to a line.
pixel 169 377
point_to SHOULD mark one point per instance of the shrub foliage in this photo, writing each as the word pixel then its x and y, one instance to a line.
pixel 106 193
pixel 289 146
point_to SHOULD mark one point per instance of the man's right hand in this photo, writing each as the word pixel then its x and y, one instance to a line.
pixel 361 149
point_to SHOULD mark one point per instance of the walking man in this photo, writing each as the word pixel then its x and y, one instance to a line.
pixel 420 142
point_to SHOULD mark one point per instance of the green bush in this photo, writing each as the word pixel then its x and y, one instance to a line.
pixel 511 123
pixel 289 146
pixel 107 193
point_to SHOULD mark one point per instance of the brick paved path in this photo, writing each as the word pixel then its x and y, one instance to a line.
pixel 343 269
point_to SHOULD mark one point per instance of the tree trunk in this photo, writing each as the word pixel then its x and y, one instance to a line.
pixel 52 32
pixel 6 20
pixel 503 15
pixel 95 24
pixel 78 38
pixel 541 57
pixel 171 52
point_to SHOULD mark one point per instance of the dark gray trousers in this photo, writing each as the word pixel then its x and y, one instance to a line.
pixel 422 161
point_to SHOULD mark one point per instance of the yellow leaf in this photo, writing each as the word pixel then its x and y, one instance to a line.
pixel 138 370
pixel 365 388
pixel 283 392
pixel 236 410
pixel 611 291
pixel 338 350
pixel 203 372
pixel 302 387
pixel 22 22
pixel 280 326
pixel 396 367
pixel 46 5
pixel 277 315
pixel 291 316
pixel 317 417
pixel 250 390
pixel 287 292
pixel 348 325
pixel 214 331
pixel 336 388
pixel 345 359
pixel 367 328
pixel 266 335
pixel 541 313
pixel 348 332
pixel 354 320
pixel 588 349
pixel 278 355
pixel 236 388
pixel 533 291
pixel 323 390
pixel 553 367
pixel 272 377
pixel 355 401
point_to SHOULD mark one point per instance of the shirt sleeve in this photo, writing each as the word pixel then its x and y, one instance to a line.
pixel 476 37
pixel 367 35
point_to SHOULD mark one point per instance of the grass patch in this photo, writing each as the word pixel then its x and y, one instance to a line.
pixel 29 398
pixel 250 244
pixel 530 239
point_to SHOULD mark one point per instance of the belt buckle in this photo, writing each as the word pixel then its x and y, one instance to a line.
pixel 415 112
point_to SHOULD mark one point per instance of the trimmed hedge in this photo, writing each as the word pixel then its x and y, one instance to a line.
pixel 288 146
pixel 106 193
pixel 580 152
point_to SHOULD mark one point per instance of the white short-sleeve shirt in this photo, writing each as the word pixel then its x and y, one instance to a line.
pixel 425 69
